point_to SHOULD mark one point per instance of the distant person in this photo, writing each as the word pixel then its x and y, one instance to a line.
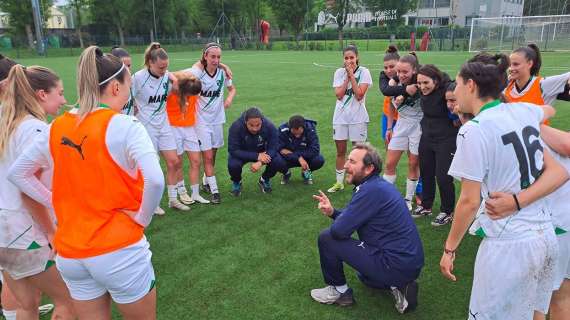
pixel 253 139
pixel 299 145
pixel 388 253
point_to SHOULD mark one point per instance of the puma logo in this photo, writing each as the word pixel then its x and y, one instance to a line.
pixel 67 142
pixel 462 134
pixel 361 245
pixel 474 315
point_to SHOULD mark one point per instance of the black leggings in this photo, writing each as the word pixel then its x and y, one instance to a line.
pixel 435 160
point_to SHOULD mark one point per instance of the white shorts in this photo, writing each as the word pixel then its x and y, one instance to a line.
pixel 127 274
pixel 563 265
pixel 406 136
pixel 357 132
pixel 22 263
pixel 186 139
pixel 513 277
pixel 210 136
pixel 162 137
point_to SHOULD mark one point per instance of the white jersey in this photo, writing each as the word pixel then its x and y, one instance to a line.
pixel 211 100
pixel 550 86
pixel 19 230
pixel 150 94
pixel 348 110
pixel 558 200
pixel 502 149
pixel 410 110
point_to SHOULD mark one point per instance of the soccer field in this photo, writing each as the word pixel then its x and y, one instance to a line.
pixel 255 257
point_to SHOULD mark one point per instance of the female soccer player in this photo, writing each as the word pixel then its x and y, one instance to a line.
pixel 500 150
pixel 389 113
pixel 211 114
pixel 150 87
pixel 181 109
pixel 129 107
pixel 350 120
pixel 107 182
pixel 526 85
pixel 26 257
pixel 437 145
pixel 406 135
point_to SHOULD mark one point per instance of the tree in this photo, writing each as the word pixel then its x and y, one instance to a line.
pixel 77 6
pixel 340 9
pixel 291 13
pixel 22 18
pixel 115 13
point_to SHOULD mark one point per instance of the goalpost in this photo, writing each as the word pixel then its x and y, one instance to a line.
pixel 550 33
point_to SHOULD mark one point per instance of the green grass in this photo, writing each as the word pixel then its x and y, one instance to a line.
pixel 255 257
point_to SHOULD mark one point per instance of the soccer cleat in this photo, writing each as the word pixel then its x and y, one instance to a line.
pixel 421 212
pixel 159 211
pixel 206 188
pixel 186 199
pixel 406 297
pixel 236 188
pixel 45 309
pixel 286 177
pixel 307 177
pixel 329 295
pixel 264 185
pixel 336 187
pixel 409 205
pixel 198 198
pixel 216 198
pixel 176 204
pixel 442 219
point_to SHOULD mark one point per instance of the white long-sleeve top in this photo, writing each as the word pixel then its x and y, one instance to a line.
pixel 128 144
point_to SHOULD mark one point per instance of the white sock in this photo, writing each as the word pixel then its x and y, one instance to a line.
pixel 9 314
pixel 195 189
pixel 340 176
pixel 212 183
pixel 341 289
pixel 204 179
pixel 411 188
pixel 390 178
pixel 172 193
pixel 181 187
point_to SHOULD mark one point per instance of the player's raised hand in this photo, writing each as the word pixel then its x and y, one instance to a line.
pixel 324 203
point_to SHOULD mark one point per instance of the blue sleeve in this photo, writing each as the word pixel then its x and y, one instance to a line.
pixel 452 116
pixel 360 209
pixel 313 147
pixel 234 145
pixel 284 144
pixel 272 140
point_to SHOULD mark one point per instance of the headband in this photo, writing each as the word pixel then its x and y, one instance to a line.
pixel 212 46
pixel 113 75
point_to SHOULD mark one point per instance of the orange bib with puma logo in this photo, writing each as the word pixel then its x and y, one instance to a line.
pixel 90 190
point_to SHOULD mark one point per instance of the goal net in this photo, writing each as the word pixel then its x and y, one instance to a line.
pixel 550 33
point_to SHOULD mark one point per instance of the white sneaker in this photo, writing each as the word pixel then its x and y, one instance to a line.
pixel 185 198
pixel 176 204
pixel 327 295
pixel 159 211
pixel 45 309
pixel 198 198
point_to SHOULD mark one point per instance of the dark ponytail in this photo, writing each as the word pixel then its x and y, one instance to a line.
pixel 391 53
pixel 411 59
pixel 488 77
pixel 532 53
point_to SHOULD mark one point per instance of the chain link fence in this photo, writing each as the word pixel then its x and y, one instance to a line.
pixel 65 42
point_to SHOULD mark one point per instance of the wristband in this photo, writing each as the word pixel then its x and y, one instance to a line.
pixel 388 129
pixel 448 251
pixel 517 202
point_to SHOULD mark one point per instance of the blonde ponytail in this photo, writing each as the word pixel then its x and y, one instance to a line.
pixel 94 72
pixel 19 100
